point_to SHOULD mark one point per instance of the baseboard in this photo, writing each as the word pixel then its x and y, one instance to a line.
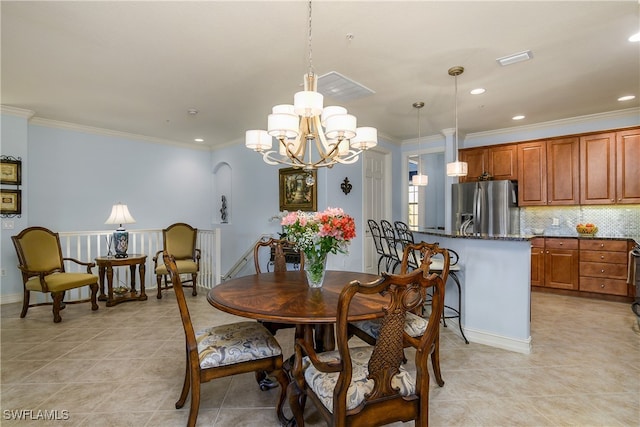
pixel 493 340
pixel 10 298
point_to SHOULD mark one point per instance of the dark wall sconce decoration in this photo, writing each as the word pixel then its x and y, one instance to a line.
pixel 346 186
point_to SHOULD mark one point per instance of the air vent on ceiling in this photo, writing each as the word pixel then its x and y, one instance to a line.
pixel 516 57
pixel 341 88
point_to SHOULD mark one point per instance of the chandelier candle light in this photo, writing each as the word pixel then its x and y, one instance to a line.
pixel 306 124
pixel 120 215
pixel 456 168
pixel 316 234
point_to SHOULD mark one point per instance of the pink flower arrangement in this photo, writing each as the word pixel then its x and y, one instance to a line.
pixel 319 233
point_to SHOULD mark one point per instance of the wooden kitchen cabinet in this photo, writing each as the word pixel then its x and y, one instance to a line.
pixel 561 263
pixel 537 261
pixel 609 170
pixel 499 161
pixel 548 172
pixel 603 266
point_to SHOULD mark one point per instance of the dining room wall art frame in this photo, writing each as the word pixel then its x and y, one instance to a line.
pixel 10 171
pixel 295 193
pixel 11 202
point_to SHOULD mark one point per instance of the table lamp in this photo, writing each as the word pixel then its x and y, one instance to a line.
pixel 120 215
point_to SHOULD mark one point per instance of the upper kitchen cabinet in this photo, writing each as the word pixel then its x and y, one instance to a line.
pixel 499 162
pixel 548 172
pixel 609 170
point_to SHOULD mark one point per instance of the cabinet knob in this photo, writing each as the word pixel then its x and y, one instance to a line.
pixel 541 252
pixel 601 256
pixel 547 251
pixel 561 243
pixel 602 245
pixel 613 200
pixel 601 271
pixel 620 199
pixel 602 286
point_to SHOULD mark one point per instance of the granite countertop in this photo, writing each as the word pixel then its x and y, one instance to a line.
pixel 517 237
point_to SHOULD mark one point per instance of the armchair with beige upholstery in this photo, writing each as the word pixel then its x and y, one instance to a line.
pixel 367 385
pixel 179 240
pixel 42 266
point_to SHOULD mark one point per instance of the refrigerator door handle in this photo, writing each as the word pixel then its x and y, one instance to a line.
pixel 477 211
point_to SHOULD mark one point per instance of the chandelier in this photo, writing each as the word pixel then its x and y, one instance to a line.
pixel 456 168
pixel 310 136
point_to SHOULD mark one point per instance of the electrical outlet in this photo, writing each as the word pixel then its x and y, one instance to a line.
pixel 7 225
pixel 3 272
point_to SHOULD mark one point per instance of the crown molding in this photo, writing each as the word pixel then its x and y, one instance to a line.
pixel 38 121
pixel 18 112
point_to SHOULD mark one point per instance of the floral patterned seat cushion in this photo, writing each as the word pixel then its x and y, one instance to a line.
pixel 323 383
pixel 414 326
pixel 235 343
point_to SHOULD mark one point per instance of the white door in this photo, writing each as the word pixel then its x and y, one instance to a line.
pixel 375 202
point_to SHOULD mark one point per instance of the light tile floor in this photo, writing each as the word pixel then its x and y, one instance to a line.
pixel 123 366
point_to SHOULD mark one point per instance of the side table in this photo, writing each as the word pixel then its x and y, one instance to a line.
pixel 106 264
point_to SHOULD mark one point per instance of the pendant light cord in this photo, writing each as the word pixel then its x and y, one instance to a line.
pixel 309 42
pixel 456 98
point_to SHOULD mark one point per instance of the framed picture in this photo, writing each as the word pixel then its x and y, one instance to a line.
pixel 295 194
pixel 10 172
pixel 11 202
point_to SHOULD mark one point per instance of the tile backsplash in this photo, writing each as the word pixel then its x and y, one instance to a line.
pixel 612 221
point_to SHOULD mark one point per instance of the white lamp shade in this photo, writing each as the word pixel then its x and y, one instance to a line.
pixel 120 215
pixel 258 140
pixel 366 137
pixel 343 146
pixel 293 144
pixel 331 111
pixel 420 180
pixel 282 125
pixel 340 126
pixel 457 169
pixel 283 109
pixel 307 103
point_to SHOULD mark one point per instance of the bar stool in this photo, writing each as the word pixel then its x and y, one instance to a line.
pixel 405 237
pixel 451 312
pixel 389 236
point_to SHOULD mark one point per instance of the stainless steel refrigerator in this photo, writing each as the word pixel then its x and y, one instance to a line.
pixel 485 207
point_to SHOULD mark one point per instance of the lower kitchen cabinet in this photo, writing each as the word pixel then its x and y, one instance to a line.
pixel 581 267
pixel 603 266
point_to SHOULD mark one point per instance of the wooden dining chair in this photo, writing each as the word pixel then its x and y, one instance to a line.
pixel 368 386
pixel 415 324
pixel 42 265
pixel 223 350
pixel 178 239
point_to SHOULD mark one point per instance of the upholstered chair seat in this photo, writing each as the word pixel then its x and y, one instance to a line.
pixel 323 383
pixel 235 343
pixel 179 240
pixel 414 326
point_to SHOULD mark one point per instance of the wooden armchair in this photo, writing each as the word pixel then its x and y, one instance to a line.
pixel 42 266
pixel 415 325
pixel 368 386
pixel 281 253
pixel 179 240
pixel 223 350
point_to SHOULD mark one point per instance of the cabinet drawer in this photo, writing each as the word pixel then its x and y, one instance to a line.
pixel 603 286
pixel 561 243
pixel 604 270
pixel 604 245
pixel 604 256
pixel 537 242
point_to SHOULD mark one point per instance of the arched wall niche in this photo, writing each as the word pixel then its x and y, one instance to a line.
pixel 223 198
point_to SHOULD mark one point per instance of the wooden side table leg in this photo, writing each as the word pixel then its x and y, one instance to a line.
pixel 132 269
pixel 110 301
pixel 102 296
pixel 143 296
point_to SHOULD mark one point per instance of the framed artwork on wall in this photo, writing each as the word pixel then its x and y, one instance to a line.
pixel 295 194
pixel 11 202
pixel 10 171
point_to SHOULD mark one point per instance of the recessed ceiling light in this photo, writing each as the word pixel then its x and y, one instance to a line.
pixel 477 91
pixel 519 117
pixel 627 98
pixel 516 57
pixel 199 140
pixel 635 38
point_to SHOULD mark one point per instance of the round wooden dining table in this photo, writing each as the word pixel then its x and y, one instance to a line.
pixel 285 297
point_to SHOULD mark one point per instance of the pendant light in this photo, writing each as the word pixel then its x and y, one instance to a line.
pixel 419 179
pixel 456 168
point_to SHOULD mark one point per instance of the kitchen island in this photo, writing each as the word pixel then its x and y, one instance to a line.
pixel 495 275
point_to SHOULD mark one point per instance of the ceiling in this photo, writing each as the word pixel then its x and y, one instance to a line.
pixel 138 67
